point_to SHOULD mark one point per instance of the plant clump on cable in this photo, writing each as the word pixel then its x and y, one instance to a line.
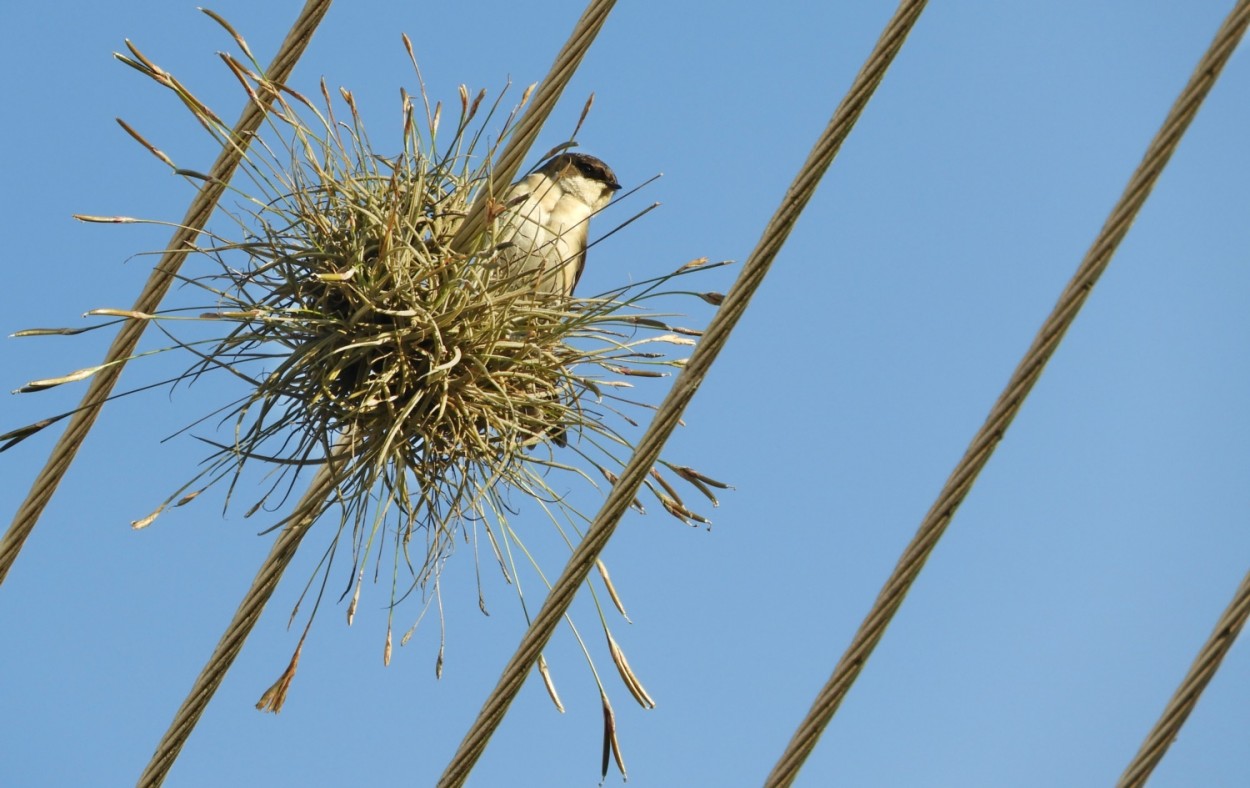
pixel 370 335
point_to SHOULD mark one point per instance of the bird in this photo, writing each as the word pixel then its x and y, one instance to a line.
pixel 543 228
pixel 546 220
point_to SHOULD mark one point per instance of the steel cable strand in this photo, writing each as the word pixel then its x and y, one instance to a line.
pixel 245 618
pixel 149 300
pixel 684 387
pixel 1008 404
pixel 1186 697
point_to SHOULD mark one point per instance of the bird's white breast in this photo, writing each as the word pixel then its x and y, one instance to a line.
pixel 547 230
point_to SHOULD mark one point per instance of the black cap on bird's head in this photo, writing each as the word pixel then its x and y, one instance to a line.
pixel 583 164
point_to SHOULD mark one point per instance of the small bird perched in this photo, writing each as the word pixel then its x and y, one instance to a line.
pixel 543 231
pixel 547 220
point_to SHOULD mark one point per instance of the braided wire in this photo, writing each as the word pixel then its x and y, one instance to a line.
pixel 1186 697
pixel 245 618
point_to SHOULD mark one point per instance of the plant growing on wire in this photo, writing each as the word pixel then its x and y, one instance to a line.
pixel 366 337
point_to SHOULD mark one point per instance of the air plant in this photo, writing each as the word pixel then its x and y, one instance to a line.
pixel 436 385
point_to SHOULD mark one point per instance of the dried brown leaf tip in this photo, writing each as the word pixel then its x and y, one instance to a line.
pixel 678 510
pixel 701 482
pixel 627 674
pixel 611 743
pixel 611 588
pixel 613 479
pixel 274 698
pixel 549 683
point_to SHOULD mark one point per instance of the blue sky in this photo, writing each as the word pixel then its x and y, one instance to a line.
pixel 1051 624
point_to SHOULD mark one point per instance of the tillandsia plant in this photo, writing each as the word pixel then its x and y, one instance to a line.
pixel 438 385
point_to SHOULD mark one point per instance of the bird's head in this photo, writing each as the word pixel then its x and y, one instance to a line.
pixel 582 176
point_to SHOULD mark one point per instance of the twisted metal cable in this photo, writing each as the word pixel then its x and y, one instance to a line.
pixel 153 293
pixel 683 390
pixel 240 627
pixel 1186 697
pixel 322 484
pixel 1005 409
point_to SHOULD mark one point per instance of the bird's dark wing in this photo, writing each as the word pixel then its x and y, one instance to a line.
pixel 577 273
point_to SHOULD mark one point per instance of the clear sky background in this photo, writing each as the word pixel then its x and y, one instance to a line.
pixel 1052 623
